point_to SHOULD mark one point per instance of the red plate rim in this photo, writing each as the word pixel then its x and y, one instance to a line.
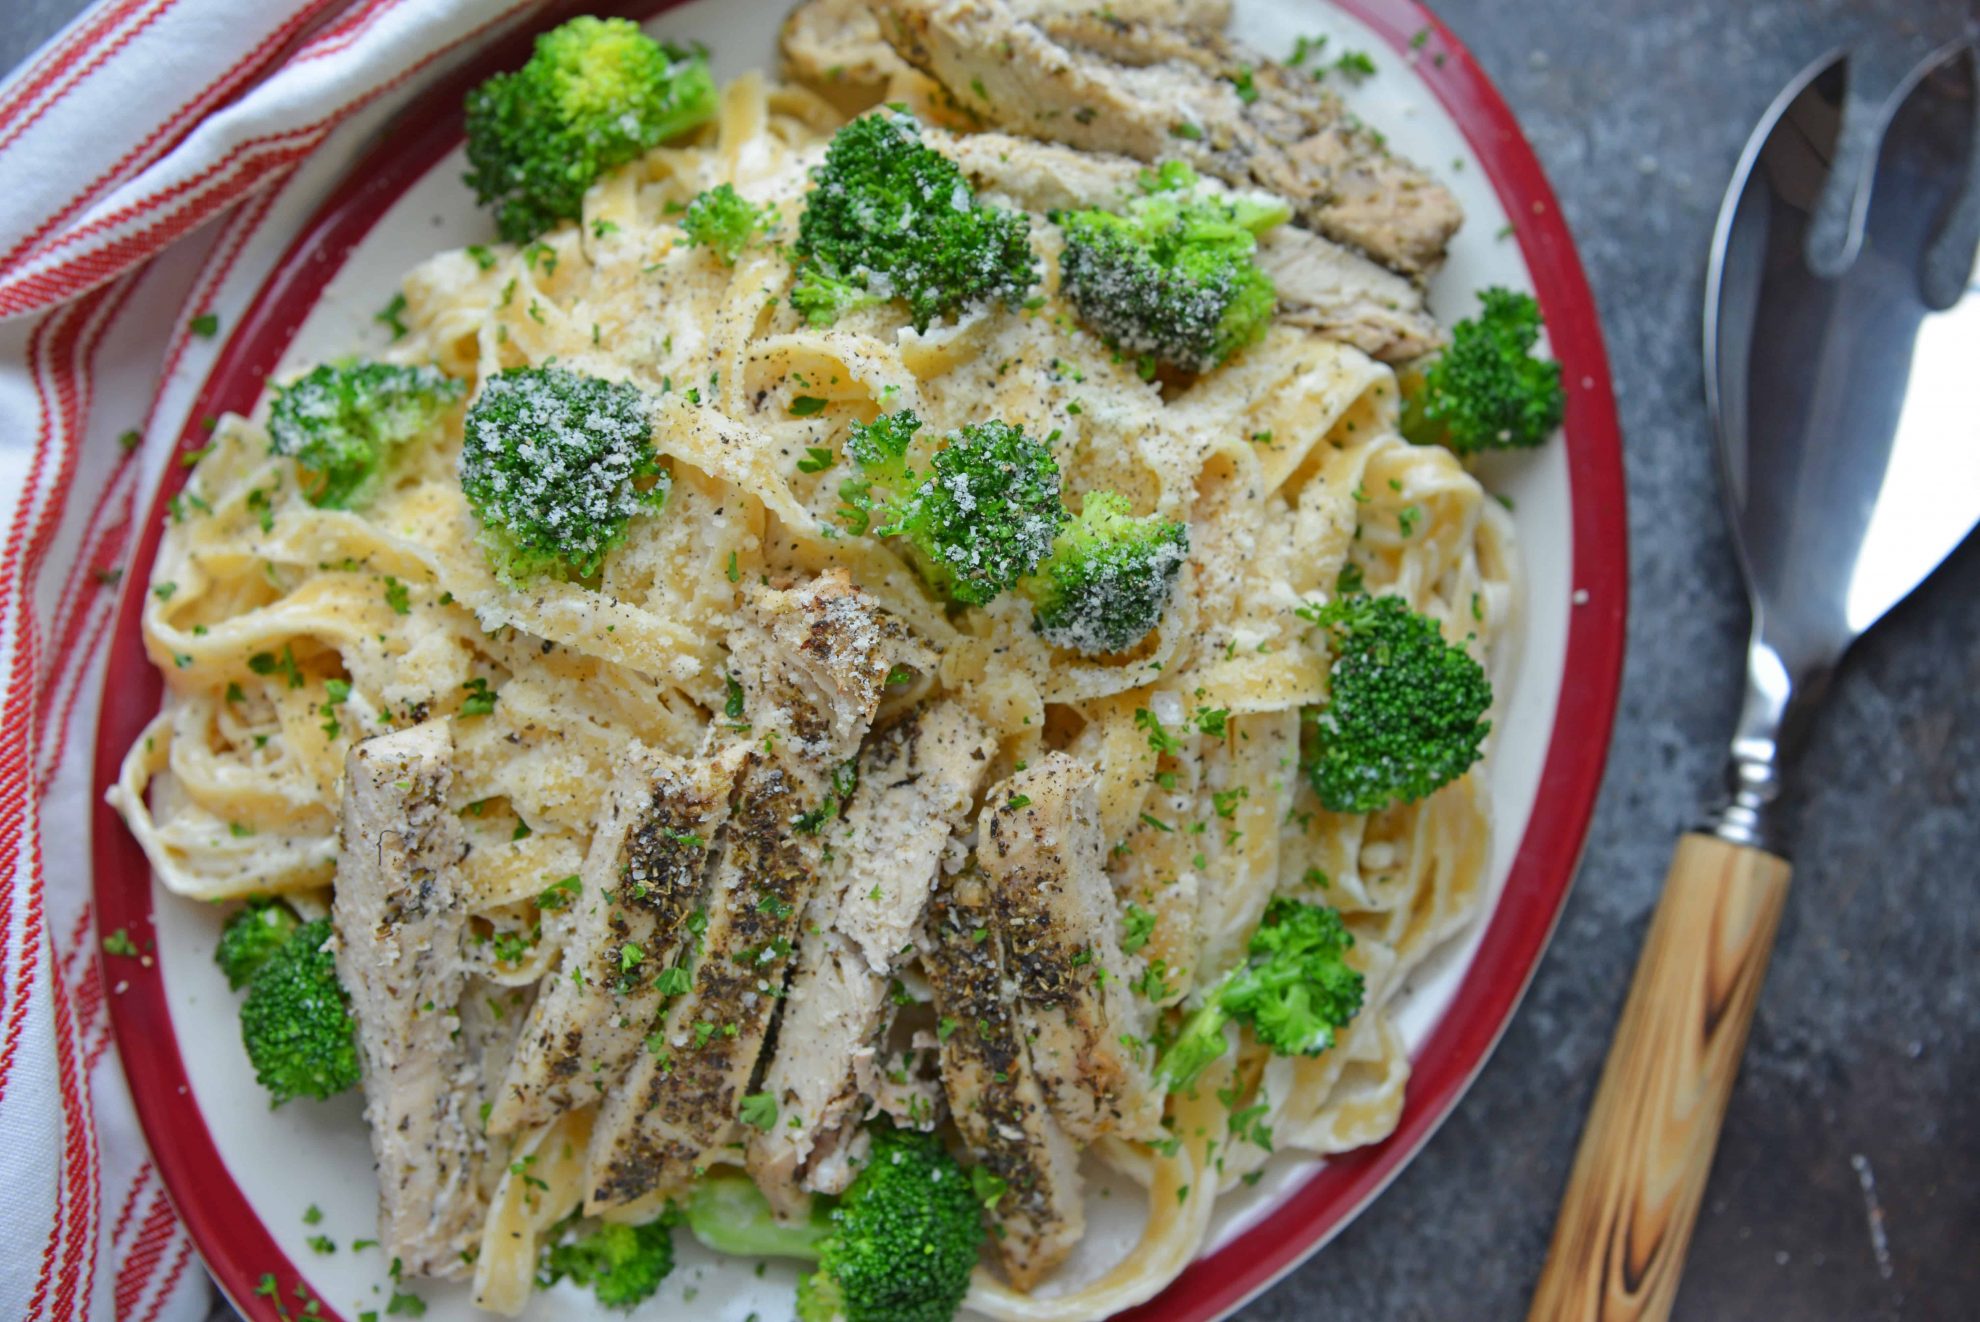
pixel 236 1246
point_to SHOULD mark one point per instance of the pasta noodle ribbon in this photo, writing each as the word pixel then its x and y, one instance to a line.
pixel 286 632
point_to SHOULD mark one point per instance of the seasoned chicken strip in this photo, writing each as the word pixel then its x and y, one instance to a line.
pixel 813 664
pixel 835 44
pixel 917 784
pixel 1042 855
pixel 1346 297
pixel 681 1100
pixel 640 881
pixel 400 925
pixel 1040 176
pixel 1094 81
pixel 1320 284
pixel 905 1085
pixel 1195 15
pixel 824 1072
pixel 994 1095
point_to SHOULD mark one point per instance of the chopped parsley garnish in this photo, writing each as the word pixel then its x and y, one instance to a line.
pixel 759 1110
pixel 560 894
pixel 391 317
pixel 480 700
pixel 398 596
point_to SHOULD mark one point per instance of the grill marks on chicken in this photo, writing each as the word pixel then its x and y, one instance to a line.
pixel 813 663
pixel 641 880
pixel 994 1095
pixel 400 925
pixel 1096 81
pixel 917 783
pixel 1040 848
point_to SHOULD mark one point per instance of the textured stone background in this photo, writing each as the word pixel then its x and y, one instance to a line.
pixel 1863 1060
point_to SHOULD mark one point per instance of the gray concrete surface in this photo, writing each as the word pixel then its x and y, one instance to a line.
pixel 1860 1095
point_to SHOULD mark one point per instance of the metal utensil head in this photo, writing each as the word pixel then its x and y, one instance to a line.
pixel 1842 356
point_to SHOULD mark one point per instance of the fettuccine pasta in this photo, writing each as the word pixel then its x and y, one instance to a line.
pixel 287 632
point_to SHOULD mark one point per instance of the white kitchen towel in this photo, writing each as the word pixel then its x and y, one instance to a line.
pixel 142 149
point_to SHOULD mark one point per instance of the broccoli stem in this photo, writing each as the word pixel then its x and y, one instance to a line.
pixel 728 1214
pixel 1200 1042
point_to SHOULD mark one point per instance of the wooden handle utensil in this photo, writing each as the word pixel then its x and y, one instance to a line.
pixel 1837 513
pixel 1639 1174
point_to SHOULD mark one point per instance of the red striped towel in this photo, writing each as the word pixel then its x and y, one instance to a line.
pixel 150 151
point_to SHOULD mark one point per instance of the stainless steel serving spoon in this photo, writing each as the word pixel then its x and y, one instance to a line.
pixel 1842 357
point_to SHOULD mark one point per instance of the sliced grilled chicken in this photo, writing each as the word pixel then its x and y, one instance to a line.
pixel 917 783
pixel 682 1098
pixel 1042 856
pixel 837 43
pixel 824 1072
pixel 1095 81
pixel 906 1088
pixel 813 663
pixel 400 926
pixel 1197 16
pixel 1344 296
pixel 994 1095
pixel 641 879
pixel 1320 284
pixel 910 1086
pixel 1040 176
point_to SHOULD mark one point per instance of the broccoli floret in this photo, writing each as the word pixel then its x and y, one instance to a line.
pixel 555 465
pixel 342 422
pixel 296 1020
pixel 1108 578
pixel 1405 711
pixel 988 516
pixel 1486 391
pixel 251 938
pixel 904 1237
pixel 880 448
pixel 891 217
pixel 898 1246
pixel 724 221
pixel 595 94
pixel 1173 276
pixel 1293 990
pixel 622 1264
pixel 983 518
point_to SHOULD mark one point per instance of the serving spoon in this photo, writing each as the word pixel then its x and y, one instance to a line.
pixel 1842 366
